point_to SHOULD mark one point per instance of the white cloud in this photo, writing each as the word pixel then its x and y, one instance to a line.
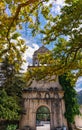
pixel 60 2
pixel 31 50
pixel 79 81
pixel 57 4
pixel 56 9
pixel 79 84
pixel 29 53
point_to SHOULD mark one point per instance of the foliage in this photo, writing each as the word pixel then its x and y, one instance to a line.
pixel 14 81
pixel 70 96
pixel 52 64
pixel 66 55
pixel 18 83
pixel 10 92
pixel 8 106
pixel 11 89
pixel 12 15
pixel 68 25
pixel 11 127
pixel 43 114
pixel 12 48
pixel 13 51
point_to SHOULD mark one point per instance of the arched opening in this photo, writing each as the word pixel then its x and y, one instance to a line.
pixel 43 118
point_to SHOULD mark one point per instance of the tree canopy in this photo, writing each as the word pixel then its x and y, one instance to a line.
pixel 67 25
pixel 12 47
pixel 12 15
pixel 65 30
pixel 9 108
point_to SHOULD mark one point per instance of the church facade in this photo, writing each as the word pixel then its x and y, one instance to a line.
pixel 47 93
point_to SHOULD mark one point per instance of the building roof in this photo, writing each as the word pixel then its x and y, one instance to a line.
pixel 45 84
pixel 41 50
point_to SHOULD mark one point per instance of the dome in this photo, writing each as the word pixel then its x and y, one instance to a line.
pixel 41 50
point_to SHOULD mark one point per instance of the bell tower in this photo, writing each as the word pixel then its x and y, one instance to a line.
pixel 47 93
pixel 42 50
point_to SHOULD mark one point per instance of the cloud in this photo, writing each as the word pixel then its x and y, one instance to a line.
pixel 59 2
pixel 29 53
pixel 79 84
pixel 79 80
pixel 57 5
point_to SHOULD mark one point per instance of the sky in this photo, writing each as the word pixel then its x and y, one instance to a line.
pixel 79 84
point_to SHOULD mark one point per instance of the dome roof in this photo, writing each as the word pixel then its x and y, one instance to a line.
pixel 41 50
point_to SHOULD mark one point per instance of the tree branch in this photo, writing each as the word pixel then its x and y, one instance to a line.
pixel 17 13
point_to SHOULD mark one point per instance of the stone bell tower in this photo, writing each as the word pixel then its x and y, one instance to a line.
pixel 46 93
pixel 42 50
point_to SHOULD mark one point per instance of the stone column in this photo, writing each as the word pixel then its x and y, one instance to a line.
pixel 64 121
pixel 23 120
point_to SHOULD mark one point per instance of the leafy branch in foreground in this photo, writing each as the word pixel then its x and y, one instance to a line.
pixel 8 107
pixel 19 11
pixel 67 25
pixel 12 15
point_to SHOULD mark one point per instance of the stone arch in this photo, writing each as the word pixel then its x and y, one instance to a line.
pixel 45 105
pixel 43 117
